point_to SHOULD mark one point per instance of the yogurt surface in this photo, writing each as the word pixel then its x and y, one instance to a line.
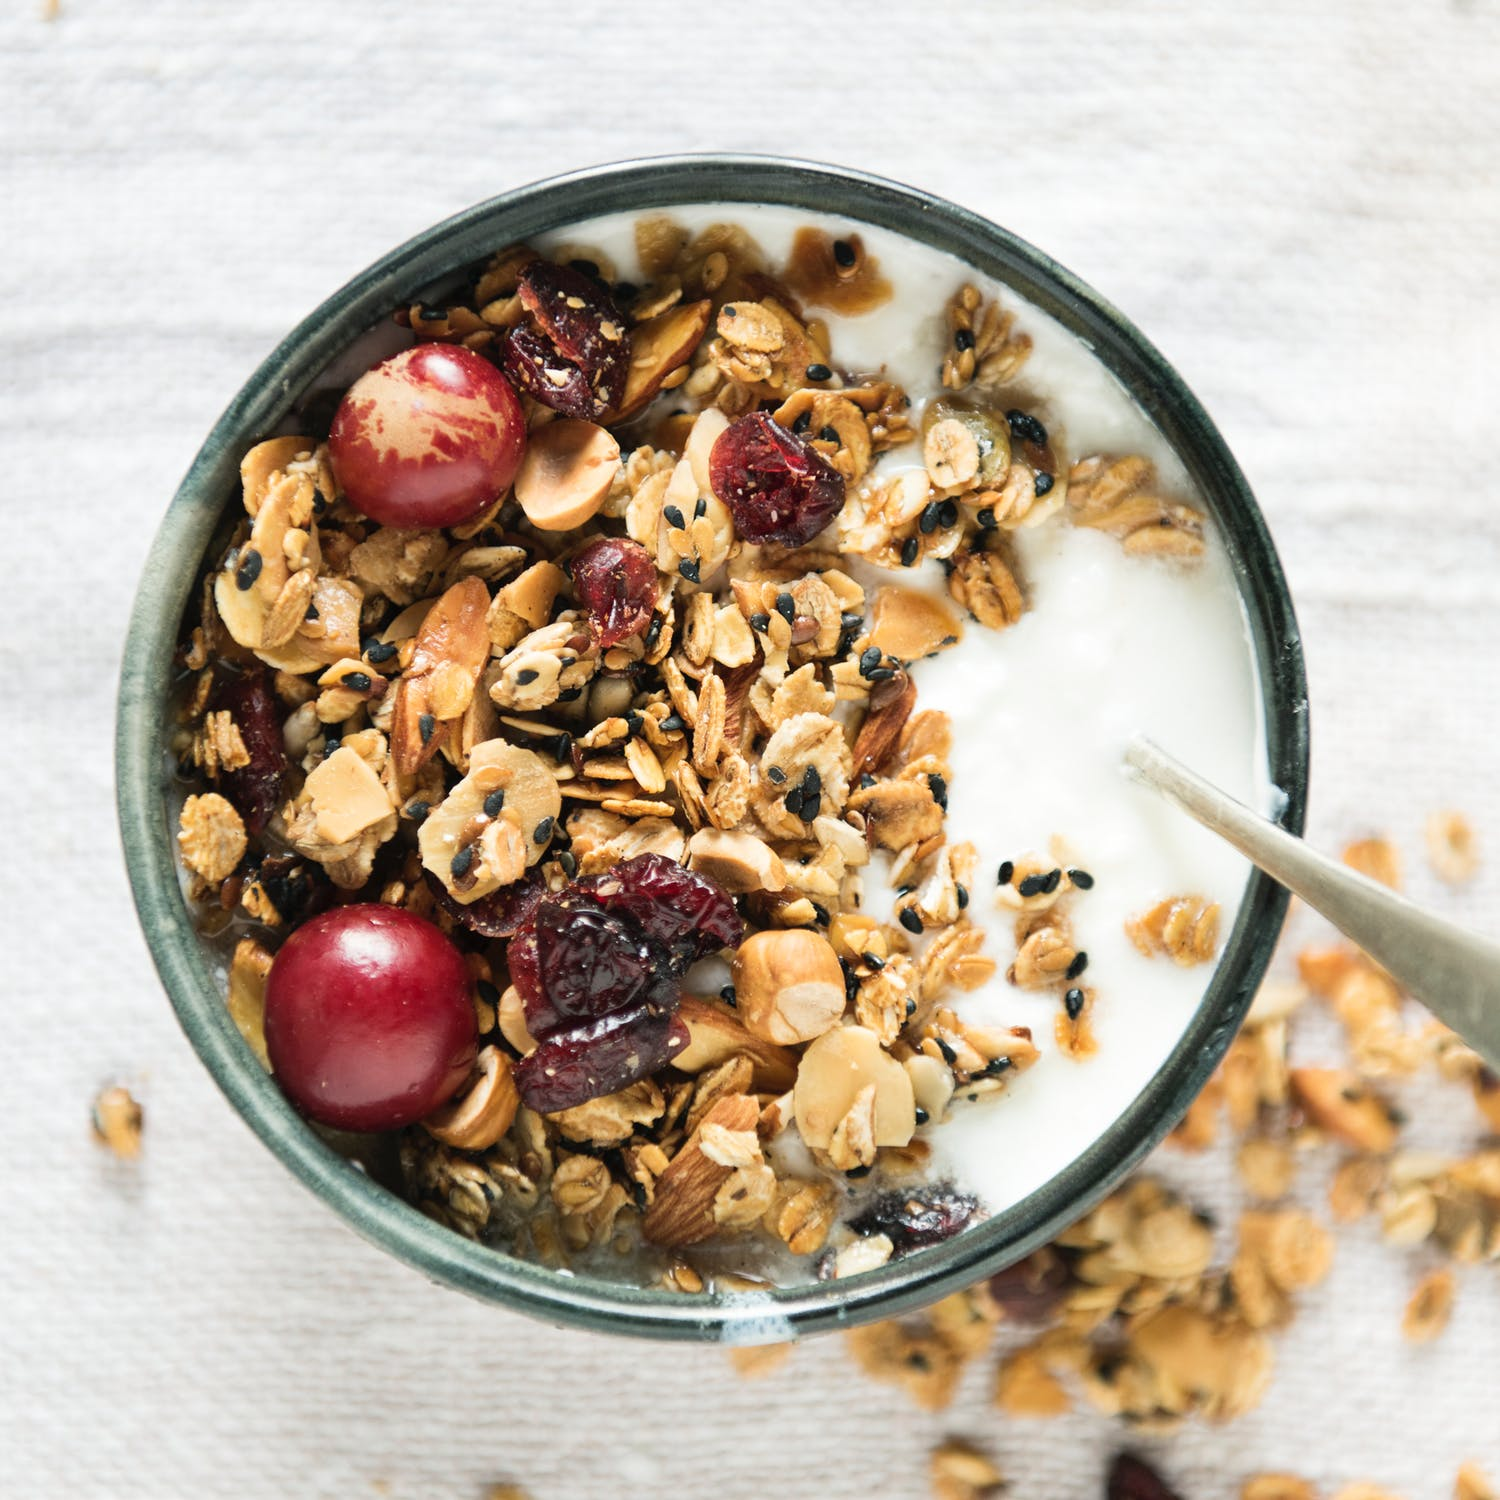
pixel 1110 645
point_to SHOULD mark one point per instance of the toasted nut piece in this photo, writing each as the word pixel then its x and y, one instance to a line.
pixel 737 861
pixel 909 625
pixel 347 796
pixel 1339 1103
pixel 657 347
pixel 453 630
pixel 788 985
pixel 479 1116
pixel 247 995
pixel 511 1016
pixel 264 461
pixel 931 1084
pixel 1452 849
pixel 1376 858
pixel 830 1076
pixel 118 1120
pixel 682 1209
pixel 715 1037
pixel 1430 1307
pixel 566 474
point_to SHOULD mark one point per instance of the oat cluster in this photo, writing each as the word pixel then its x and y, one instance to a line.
pixel 435 719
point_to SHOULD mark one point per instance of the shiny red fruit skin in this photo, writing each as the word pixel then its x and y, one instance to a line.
pixel 598 1057
pixel 777 487
pixel 429 437
pixel 369 1018
pixel 615 581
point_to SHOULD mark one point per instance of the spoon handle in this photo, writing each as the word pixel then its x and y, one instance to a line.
pixel 1454 973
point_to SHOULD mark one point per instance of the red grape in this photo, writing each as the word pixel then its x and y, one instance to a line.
pixel 369 1018
pixel 615 581
pixel 777 487
pixel 429 437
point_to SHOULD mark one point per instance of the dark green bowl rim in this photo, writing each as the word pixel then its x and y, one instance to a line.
pixel 195 511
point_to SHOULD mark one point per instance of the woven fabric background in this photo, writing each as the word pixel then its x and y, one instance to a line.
pixel 1299 203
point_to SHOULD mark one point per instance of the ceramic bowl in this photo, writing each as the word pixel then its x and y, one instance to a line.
pixel 212 484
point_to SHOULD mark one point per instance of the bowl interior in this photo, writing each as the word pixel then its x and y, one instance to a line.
pixel 211 483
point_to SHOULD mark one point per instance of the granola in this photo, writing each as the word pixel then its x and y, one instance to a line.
pixel 623 695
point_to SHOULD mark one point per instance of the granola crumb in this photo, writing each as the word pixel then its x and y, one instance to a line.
pixel 1472 1483
pixel 753 1362
pixel 118 1120
pixel 1377 858
pixel 1452 847
pixel 959 1471
pixel 1277 1487
pixel 1429 1308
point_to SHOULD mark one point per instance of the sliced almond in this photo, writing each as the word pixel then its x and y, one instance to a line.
pixel 739 862
pixel 909 625
pixel 715 1036
pixel 788 985
pixel 484 1112
pixel 657 347
pixel 568 469
pixel 1339 1103
pixel 455 631
pixel 830 1076
pixel 247 995
pixel 347 796
pixel 332 633
pixel 882 727
pixel 511 1016
pixel 266 459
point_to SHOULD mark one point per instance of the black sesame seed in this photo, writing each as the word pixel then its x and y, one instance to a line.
pixel 689 570
pixel 1007 870
pixel 248 570
pixel 1032 885
pixel 948 514
pixel 880 674
pixel 869 659
pixel 851 620
pixel 866 781
pixel 875 961
pixel 570 695
pixel 1079 964
pixel 462 860
pixel 812 781
pixel 379 651
pixel 1051 881
pixel 311 612
pixel 416 810
pixel 908 552
pixel 927 523
pixel 910 920
pixel 911 1006
pixel 812 805
pixel 963 340
pixel 1043 482
pixel 625 291
pixel 843 253
pixel 587 267
pixel 700 509
pixel 921 1116
pixel 525 675
pixel 674 517
pixel 829 435
pixel 819 372
pixel 949 1055
pixel 671 724
pixel 961 893
pixel 431 314
pixel 1082 879
pixel 633 722
pixel 1073 1004
pixel 562 747
pixel 997 1065
pixel 487 992
pixel 802 422
pixel 821 913
pixel 543 830
pixel 653 631
pixel 786 607
pixel 727 994
pixel 938 786
pixel 1025 427
pixel 729 312
pixel 359 682
pixel 794 801
pixel 857 1172
pixel 331 743
pixel 425 726
pixel 494 802
pixel 986 519
pixel 905 890
pixel 568 861
pixel 776 774
pixel 760 622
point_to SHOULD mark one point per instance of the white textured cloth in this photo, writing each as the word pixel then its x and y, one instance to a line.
pixel 1298 202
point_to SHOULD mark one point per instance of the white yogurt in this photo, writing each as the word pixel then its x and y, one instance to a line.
pixel 1110 645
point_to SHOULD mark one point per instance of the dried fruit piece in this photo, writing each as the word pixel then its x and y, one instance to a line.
pixel 501 914
pixel 912 1221
pixel 255 788
pixel 684 911
pixel 429 437
pixel 568 469
pixel 615 581
pixel 777 487
pixel 1030 1289
pixel 573 352
pixel 599 1057
pixel 1132 1478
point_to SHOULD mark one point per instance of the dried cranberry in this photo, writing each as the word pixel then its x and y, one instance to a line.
pixel 501 914
pixel 776 486
pixel 615 581
pixel 683 911
pixel 916 1220
pixel 1029 1290
pixel 255 789
pixel 573 352
pixel 1132 1478
pixel 599 1057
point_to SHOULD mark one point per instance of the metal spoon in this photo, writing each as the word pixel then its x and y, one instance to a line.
pixel 1454 973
